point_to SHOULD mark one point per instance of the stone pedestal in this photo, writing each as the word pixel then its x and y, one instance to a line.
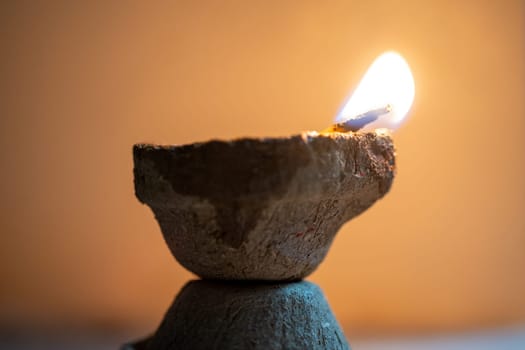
pixel 241 316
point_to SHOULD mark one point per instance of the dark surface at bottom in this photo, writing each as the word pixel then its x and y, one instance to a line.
pixel 226 315
pixel 138 345
pixel 508 338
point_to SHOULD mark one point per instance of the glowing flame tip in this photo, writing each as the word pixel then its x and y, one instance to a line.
pixel 388 83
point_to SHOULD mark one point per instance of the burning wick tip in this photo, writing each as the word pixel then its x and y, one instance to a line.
pixel 358 122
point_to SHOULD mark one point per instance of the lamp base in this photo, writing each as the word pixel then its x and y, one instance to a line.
pixel 247 315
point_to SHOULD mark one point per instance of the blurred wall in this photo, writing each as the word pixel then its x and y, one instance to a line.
pixel 82 82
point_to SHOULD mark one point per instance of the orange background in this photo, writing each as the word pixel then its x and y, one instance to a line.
pixel 81 83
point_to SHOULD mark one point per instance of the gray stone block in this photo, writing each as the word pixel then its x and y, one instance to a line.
pixel 212 315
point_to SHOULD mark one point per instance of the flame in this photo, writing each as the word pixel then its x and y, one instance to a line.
pixel 388 82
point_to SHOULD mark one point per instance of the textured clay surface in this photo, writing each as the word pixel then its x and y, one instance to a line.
pixel 229 316
pixel 262 208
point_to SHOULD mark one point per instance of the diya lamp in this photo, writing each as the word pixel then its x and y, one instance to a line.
pixel 254 216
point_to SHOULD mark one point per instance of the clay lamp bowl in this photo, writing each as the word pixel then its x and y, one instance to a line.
pixel 261 208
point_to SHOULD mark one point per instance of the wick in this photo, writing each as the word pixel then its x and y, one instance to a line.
pixel 358 122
